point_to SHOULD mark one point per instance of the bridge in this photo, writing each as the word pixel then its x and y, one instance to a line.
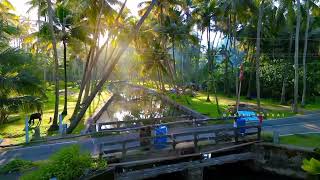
pixel 159 163
pixel 187 138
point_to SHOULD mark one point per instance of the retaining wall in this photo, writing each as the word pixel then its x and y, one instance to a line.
pixel 282 159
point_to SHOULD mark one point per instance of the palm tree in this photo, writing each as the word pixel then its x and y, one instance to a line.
pixel 20 89
pixel 70 32
pixel 258 54
pixel 124 41
pixel 296 59
pixel 204 11
pixel 164 11
pixel 54 125
pixel 287 7
pixel 303 103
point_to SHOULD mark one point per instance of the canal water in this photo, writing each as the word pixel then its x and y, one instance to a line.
pixel 133 103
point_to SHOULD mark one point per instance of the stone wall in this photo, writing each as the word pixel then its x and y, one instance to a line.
pixel 282 159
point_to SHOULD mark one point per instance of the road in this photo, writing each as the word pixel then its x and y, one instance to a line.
pixel 294 125
pixel 286 126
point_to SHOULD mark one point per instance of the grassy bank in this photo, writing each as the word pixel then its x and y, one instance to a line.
pixel 199 103
pixel 303 140
pixel 13 131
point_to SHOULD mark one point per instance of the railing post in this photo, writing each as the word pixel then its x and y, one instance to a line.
pixel 27 129
pixel 124 151
pixel 60 124
pixel 173 142
pixel 195 141
pixel 259 133
pixel 236 137
pixel 100 150
pixel 276 137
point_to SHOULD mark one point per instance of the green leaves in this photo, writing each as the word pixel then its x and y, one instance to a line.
pixel 20 89
pixel 68 163
pixel 312 166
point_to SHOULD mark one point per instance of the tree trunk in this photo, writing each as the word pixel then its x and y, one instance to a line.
pixel 78 116
pixel 284 79
pixel 65 109
pixel 209 63
pixel 303 101
pixel 173 56
pixel 283 92
pixel 217 100
pixel 258 55
pixel 296 60
pixel 54 125
pixel 250 78
pixel 198 59
pixel 226 77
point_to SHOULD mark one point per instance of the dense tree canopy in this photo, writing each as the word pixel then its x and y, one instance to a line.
pixel 172 43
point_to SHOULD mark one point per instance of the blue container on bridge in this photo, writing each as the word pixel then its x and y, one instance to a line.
pixel 246 118
pixel 161 141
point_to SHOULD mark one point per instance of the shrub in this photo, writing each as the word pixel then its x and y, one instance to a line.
pixel 16 165
pixel 67 164
pixel 312 166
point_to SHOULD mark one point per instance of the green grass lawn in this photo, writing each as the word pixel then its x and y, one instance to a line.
pixel 14 133
pixel 303 140
pixel 199 103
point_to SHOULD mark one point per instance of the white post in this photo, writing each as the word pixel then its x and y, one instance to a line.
pixel 27 129
pixel 276 138
pixel 60 124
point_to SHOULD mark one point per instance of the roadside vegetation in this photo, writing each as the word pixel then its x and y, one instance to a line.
pixel 68 163
pixel 303 140
pixel 13 131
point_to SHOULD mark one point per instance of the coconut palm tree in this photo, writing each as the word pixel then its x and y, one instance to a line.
pixel 259 26
pixel 71 32
pixel 296 59
pixel 54 125
pixel 124 39
pixel 303 101
pixel 20 89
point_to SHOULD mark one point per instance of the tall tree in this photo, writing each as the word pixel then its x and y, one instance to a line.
pixel 258 53
pixel 296 60
pixel 124 41
pixel 303 101
pixel 54 125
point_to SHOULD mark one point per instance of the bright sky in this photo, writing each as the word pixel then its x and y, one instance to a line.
pixel 22 8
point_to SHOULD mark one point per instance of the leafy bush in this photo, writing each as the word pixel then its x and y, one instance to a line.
pixel 67 164
pixel 312 166
pixel 16 165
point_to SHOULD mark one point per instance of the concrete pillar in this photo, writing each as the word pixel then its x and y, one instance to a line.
pixel 276 139
pixel 194 174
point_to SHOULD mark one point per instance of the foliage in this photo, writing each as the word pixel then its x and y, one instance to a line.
pixel 169 50
pixel 68 163
pixel 20 87
pixel 16 165
pixel 312 166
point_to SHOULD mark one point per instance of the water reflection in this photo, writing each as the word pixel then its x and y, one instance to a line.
pixel 134 103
